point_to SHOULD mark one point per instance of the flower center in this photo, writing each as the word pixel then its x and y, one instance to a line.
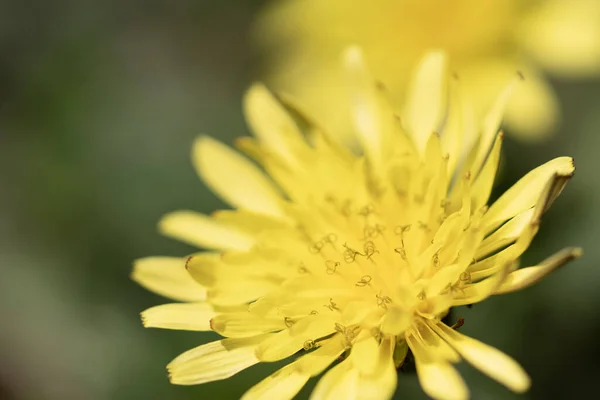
pixel 378 267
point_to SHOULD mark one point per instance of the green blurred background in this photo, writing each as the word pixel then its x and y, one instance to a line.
pixel 99 104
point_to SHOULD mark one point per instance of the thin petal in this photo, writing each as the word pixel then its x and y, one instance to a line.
pixel 234 178
pixel 477 292
pixel 167 276
pixel 203 266
pixel 380 382
pixel 273 126
pixel 245 324
pixel 236 293
pixel 437 376
pixel 429 346
pixel 435 372
pixel 234 279
pixel 213 361
pixel 373 116
pixel 340 382
pixel 460 129
pixel 395 321
pixel 426 98
pixel 491 125
pixel 441 381
pixel 231 271
pixel 493 264
pixel 202 231
pixel 289 341
pixel 451 273
pixel 283 384
pixel 318 360
pixel 482 187
pixel 487 359
pixel 183 316
pixel 365 353
pixel 526 277
pixel 250 222
pixel 505 235
pixel 432 155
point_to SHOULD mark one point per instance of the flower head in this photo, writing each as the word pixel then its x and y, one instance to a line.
pixel 487 41
pixel 343 263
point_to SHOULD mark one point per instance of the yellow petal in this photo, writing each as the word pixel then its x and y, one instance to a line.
pixel 395 321
pixel 234 178
pixel 234 278
pixel 236 275
pixel 340 382
pixel 432 155
pixel 482 186
pixel 235 293
pixel 283 384
pixel 245 324
pixel 526 277
pixel 372 114
pixel 365 354
pixel 437 376
pixel 318 360
pixel 289 341
pixel 183 316
pixel 250 222
pixel 167 276
pixel 427 341
pixel 380 382
pixel 488 360
pixel 441 381
pixel 202 231
pixel 564 36
pixel 491 125
pixel 526 192
pixel 460 129
pixel 273 126
pixel 213 361
pixel 426 98
pixel 363 312
pixel 551 191
pixel 444 277
pixel 506 234
pixel 477 292
pixel 491 265
pixel 203 267
pixel 451 273
pixel 528 105
pixel 230 282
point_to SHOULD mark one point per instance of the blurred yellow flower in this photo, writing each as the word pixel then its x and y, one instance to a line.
pixel 487 40
pixel 330 259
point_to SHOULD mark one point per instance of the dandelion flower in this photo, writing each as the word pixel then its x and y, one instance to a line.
pixel 487 41
pixel 342 263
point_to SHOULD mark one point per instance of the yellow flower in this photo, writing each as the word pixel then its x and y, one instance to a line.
pixel 332 259
pixel 487 41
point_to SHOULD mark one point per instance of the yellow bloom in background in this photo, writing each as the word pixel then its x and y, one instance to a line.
pixel 341 263
pixel 487 40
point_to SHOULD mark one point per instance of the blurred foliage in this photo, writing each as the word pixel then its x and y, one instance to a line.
pixel 99 104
